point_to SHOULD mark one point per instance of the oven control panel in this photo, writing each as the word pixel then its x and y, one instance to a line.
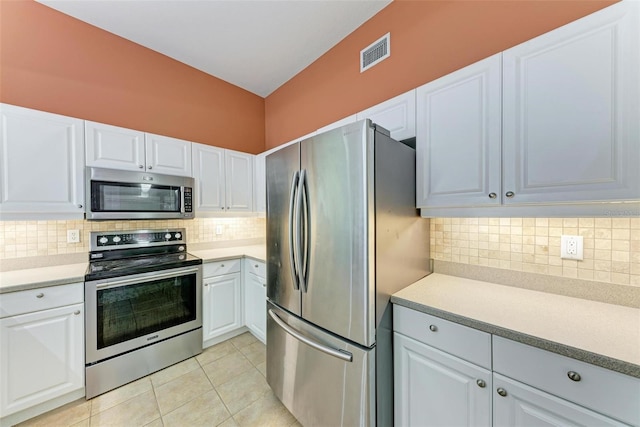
pixel 136 238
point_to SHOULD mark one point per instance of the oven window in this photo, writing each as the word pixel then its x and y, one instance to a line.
pixel 128 312
pixel 123 197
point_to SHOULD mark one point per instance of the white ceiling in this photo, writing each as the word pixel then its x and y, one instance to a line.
pixel 257 45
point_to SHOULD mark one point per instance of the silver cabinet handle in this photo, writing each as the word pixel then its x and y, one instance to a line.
pixel 574 376
pixel 76 312
pixel 256 265
pixel 502 392
pixel 221 265
pixel 433 328
pixel 510 194
pixel 342 355
pixel 492 195
pixel 206 284
pixel 481 383
pixel 141 167
pixel 149 167
pixel 79 206
pixel 40 295
pixel 222 208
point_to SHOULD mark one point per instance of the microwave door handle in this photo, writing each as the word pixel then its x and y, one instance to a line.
pixel 292 235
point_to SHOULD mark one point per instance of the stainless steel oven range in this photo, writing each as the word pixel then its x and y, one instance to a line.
pixel 143 305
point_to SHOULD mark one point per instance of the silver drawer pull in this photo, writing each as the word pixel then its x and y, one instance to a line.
pixel 221 265
pixel 492 195
pixel 574 376
pixel 256 265
pixel 433 328
pixel 40 295
pixel 502 392
pixel 481 383
pixel 76 312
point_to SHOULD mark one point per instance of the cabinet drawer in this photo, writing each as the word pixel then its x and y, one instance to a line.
pixel 256 267
pixel 461 341
pixel 20 302
pixel 218 268
pixel 608 392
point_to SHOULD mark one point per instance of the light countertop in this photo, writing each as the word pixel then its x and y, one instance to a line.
pixel 32 278
pixel 603 334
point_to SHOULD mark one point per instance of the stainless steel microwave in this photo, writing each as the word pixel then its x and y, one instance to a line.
pixel 118 194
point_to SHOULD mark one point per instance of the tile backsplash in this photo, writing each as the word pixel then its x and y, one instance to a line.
pixel 20 239
pixel 611 246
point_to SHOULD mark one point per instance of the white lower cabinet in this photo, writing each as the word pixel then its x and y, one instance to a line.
pixel 222 300
pixel 255 303
pixel 433 388
pixel 435 384
pixel 41 351
pixel 516 404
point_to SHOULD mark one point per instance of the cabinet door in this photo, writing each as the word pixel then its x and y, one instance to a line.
pixel 208 170
pixel 41 356
pixel 239 181
pixel 260 188
pixel 222 305
pixel 41 164
pixel 434 388
pixel 397 115
pixel 166 155
pixel 516 404
pixel 255 311
pixel 571 111
pixel 114 147
pixel 459 136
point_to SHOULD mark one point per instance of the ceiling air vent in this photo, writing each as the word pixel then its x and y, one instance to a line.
pixel 375 52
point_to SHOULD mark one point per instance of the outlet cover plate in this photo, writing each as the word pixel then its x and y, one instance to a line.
pixel 572 247
pixel 73 236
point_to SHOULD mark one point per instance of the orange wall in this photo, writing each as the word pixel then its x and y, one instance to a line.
pixel 428 39
pixel 52 62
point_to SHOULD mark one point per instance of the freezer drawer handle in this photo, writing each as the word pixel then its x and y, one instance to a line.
pixel 343 355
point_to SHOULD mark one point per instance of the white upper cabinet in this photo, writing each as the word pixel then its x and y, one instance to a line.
pixel 260 187
pixel 127 149
pixel 208 170
pixel 397 115
pixel 114 147
pixel 224 179
pixel 571 111
pixel 557 123
pixel 41 165
pixel 166 155
pixel 239 181
pixel 459 135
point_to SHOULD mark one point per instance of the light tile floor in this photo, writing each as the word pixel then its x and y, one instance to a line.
pixel 223 386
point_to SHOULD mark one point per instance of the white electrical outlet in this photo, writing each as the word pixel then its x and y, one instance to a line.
pixel 572 247
pixel 218 230
pixel 73 236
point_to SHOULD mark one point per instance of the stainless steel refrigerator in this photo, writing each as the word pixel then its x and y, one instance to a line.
pixel 343 234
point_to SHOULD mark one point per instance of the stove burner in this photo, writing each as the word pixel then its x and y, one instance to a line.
pixel 137 252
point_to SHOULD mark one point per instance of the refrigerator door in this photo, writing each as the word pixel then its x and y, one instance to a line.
pixel 338 288
pixel 318 386
pixel 282 169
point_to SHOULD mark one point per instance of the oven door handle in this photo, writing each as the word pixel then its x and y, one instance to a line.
pixel 148 277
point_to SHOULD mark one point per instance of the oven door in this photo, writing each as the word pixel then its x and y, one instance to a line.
pixel 129 312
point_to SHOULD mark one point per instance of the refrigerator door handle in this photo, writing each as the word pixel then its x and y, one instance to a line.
pixel 298 248
pixel 292 234
pixel 305 234
pixel 340 354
